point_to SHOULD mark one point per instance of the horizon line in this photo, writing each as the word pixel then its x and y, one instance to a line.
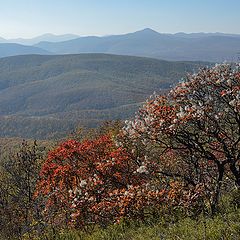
pixel 105 35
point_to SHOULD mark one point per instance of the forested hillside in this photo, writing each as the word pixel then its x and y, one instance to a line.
pixel 49 96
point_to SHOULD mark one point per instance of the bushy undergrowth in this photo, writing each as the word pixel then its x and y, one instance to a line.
pixel 222 226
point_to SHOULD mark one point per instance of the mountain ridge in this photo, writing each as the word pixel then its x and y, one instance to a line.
pixel 44 37
pixel 213 47
pixel 13 49
pixel 149 43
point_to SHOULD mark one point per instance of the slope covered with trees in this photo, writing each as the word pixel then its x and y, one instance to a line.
pixel 60 92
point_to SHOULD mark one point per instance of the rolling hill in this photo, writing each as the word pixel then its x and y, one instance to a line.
pixel 46 96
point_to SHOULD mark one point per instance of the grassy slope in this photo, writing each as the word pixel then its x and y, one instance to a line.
pixel 225 225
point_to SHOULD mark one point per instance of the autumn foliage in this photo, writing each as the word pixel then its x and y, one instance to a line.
pixel 95 182
pixel 178 151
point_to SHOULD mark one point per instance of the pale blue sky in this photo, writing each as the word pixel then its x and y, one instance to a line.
pixel 28 18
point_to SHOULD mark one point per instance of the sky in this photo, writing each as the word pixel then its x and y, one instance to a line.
pixel 29 18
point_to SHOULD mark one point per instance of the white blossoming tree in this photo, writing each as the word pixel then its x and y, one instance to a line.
pixel 196 129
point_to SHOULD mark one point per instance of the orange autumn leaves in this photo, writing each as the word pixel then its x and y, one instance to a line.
pixel 94 182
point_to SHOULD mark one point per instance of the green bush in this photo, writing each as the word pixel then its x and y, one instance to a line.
pixel 222 226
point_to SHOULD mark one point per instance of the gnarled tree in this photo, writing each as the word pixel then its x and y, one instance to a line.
pixel 198 125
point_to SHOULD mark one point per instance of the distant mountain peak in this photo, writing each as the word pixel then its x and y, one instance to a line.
pixel 147 31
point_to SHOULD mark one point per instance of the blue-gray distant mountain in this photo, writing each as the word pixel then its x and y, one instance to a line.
pixel 203 34
pixel 13 49
pixel 214 47
pixel 45 37
pixel 41 96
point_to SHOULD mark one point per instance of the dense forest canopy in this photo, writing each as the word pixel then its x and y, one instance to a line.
pixel 49 96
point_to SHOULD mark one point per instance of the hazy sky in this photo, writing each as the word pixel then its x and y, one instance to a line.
pixel 28 18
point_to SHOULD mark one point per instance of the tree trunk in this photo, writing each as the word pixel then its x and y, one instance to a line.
pixel 236 174
pixel 216 196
